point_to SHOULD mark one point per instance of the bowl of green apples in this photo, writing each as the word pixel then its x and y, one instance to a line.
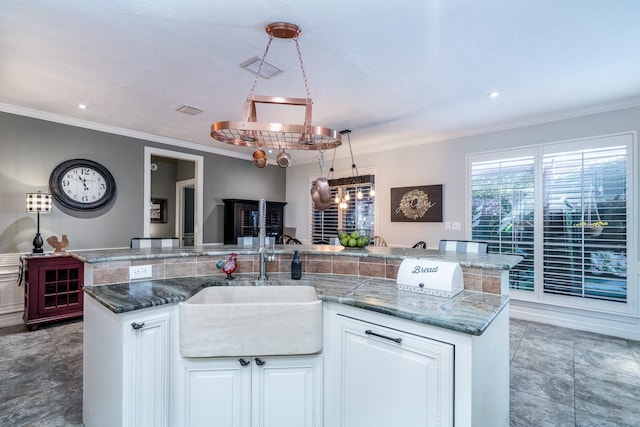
pixel 355 239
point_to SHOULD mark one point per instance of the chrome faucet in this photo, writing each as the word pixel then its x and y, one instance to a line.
pixel 262 236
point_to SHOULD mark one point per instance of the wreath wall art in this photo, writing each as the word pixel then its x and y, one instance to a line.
pixel 417 204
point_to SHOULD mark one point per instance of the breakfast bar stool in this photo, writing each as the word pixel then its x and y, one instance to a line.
pixel 468 246
pixel 154 242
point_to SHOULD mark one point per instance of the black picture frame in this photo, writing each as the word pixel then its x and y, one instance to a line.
pixel 158 211
pixel 417 204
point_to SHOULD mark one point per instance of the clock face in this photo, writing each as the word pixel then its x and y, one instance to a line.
pixel 82 184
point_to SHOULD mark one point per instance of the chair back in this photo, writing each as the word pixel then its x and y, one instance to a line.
pixel 420 245
pixel 155 242
pixel 379 241
pixel 467 246
pixel 285 239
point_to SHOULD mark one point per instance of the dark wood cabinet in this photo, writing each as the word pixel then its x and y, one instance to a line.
pixel 241 219
pixel 52 288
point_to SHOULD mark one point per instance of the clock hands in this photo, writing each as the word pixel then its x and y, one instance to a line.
pixel 84 182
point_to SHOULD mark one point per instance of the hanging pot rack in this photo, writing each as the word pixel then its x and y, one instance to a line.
pixel 249 132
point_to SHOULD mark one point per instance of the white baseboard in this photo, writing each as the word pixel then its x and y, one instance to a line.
pixel 11 317
pixel 601 323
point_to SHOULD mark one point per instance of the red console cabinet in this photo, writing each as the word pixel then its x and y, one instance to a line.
pixel 52 288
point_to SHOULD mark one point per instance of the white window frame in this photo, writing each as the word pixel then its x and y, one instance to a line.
pixel 631 306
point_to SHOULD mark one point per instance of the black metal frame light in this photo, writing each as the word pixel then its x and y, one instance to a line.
pixel 38 202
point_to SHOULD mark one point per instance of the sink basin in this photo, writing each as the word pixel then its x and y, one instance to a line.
pixel 251 321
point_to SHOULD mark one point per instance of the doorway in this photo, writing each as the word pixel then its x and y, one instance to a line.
pixel 197 194
pixel 185 214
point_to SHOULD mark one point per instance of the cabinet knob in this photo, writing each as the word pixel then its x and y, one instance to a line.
pixel 244 362
pixel 137 326
pixel 370 332
pixel 259 362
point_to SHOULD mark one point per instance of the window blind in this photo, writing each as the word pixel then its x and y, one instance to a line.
pixel 585 223
pixel 503 212
pixel 564 208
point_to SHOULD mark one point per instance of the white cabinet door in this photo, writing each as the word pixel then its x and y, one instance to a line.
pixel 218 392
pixel 148 368
pixel 392 378
pixel 254 391
pixel 126 372
pixel 287 391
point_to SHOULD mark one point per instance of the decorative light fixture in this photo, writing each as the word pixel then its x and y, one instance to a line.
pixel 342 198
pixel 38 202
pixel 248 132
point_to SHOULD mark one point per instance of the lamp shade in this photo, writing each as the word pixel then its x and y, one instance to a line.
pixel 38 202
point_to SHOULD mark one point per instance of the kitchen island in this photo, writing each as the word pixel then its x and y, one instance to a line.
pixel 455 349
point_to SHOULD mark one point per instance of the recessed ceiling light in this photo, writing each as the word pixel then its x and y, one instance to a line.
pixel 494 94
pixel 82 106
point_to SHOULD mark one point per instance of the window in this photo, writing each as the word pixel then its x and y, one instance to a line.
pixel 564 208
pixel 502 194
pixel 359 213
pixel 585 223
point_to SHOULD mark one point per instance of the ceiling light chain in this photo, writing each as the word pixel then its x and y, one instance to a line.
pixel 353 163
pixel 264 56
pixel 304 74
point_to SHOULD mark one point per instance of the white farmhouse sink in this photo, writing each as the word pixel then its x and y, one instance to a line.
pixel 251 320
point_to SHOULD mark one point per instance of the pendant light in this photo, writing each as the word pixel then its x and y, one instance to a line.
pixel 342 198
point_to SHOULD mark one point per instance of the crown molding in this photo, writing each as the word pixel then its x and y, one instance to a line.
pixel 56 118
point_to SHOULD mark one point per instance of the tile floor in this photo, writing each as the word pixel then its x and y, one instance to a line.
pixel 559 377
pixel 41 376
pixel 562 377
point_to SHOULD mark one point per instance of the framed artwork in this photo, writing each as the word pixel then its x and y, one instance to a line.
pixel 158 210
pixel 417 204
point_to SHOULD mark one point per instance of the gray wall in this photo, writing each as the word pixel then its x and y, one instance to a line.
pixel 31 148
pixel 441 163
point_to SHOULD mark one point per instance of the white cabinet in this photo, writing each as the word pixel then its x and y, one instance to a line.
pixel 217 392
pixel 390 377
pixel 127 366
pixel 383 371
pixel 148 366
pixel 253 391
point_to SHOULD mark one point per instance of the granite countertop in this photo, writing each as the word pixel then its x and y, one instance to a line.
pixel 468 312
pixel 495 261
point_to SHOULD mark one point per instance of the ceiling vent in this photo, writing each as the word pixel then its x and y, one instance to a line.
pixel 253 65
pixel 192 111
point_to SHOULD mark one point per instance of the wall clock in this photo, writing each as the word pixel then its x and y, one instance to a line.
pixel 82 185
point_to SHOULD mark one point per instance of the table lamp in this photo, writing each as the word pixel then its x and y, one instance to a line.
pixel 38 202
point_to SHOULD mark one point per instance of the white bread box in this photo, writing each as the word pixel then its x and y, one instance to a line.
pixel 431 277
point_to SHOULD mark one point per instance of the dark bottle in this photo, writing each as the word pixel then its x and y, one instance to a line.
pixel 296 266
